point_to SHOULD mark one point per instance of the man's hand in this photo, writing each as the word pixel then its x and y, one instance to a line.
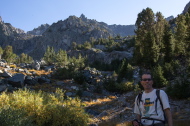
pixel 135 123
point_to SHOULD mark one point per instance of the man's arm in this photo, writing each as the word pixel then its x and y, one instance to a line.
pixel 138 117
pixel 169 116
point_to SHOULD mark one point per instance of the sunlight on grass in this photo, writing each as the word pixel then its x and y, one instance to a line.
pixel 100 101
pixel 40 72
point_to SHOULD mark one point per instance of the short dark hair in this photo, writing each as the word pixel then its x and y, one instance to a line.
pixel 149 73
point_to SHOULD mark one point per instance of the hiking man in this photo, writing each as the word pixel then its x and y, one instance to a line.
pixel 149 110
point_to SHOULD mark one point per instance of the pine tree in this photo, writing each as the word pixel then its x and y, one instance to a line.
pixel 49 56
pixel 149 38
pixel 159 32
pixel 8 54
pixel 24 58
pixel 1 52
pixel 169 44
pixel 159 79
pixel 122 70
pixel 125 71
pixel 180 35
pixel 61 58
pixel 187 40
pixel 144 37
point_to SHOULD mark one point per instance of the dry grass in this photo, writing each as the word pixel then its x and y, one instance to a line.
pixel 100 101
pixel 38 72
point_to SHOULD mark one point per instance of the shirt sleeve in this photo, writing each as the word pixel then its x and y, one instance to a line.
pixel 164 99
pixel 136 108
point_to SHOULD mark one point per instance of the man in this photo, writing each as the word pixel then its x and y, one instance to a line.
pixel 145 109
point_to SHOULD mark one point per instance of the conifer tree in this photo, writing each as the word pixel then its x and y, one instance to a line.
pixel 144 37
pixel 187 41
pixel 122 70
pixel 159 31
pixel 61 58
pixel 169 44
pixel 125 71
pixel 180 35
pixel 8 54
pixel 50 56
pixel 74 45
pixel 159 79
pixel 149 38
pixel 1 52
pixel 24 58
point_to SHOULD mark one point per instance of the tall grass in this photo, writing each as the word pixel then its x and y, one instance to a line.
pixel 31 108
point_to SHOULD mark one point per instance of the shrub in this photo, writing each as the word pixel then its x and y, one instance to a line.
pixel 179 88
pixel 79 78
pixel 125 87
pixel 42 108
pixel 110 85
pixel 63 73
pixel 113 86
pixel 125 71
pixel 15 117
pixel 137 89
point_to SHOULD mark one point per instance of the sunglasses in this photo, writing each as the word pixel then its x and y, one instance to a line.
pixel 147 79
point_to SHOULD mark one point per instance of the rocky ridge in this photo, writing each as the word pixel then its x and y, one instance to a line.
pixel 186 8
pixel 58 35
pixel 39 30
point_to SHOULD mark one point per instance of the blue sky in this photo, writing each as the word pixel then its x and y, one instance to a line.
pixel 29 14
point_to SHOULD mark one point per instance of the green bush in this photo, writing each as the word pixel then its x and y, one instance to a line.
pixel 41 109
pixel 125 87
pixel 180 86
pixel 113 86
pixel 125 71
pixel 113 66
pixel 63 73
pixel 179 90
pixel 110 85
pixel 137 89
pixel 79 78
pixel 15 117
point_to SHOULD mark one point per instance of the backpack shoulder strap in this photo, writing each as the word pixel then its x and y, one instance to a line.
pixel 139 99
pixel 158 98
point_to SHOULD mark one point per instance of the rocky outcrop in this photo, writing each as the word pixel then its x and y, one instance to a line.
pixel 98 55
pixel 123 30
pixel 40 30
pixel 186 8
pixel 14 37
pixel 9 30
pixel 63 33
pixel 169 18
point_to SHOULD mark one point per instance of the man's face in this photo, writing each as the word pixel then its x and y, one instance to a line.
pixel 147 81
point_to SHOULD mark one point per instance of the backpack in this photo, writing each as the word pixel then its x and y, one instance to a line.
pixel 139 99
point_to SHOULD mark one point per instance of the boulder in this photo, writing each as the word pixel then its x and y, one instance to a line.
pixel 6 74
pixel 30 81
pixel 3 87
pixel 17 80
